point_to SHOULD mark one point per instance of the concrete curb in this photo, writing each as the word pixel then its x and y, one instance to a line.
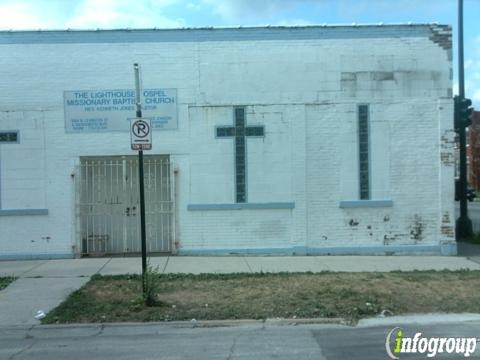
pixel 200 323
pixel 432 318
pixel 423 319
pixel 291 321
pixel 268 322
pixel 225 323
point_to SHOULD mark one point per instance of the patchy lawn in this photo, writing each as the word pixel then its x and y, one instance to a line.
pixel 265 295
pixel 5 281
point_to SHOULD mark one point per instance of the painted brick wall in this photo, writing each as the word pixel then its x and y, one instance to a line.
pixel 305 92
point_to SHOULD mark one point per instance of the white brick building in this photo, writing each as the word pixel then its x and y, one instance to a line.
pixel 295 140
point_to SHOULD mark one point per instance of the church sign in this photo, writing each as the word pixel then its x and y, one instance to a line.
pixel 111 110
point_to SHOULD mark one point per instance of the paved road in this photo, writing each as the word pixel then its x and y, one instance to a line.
pixel 254 341
pixel 474 206
pixel 473 213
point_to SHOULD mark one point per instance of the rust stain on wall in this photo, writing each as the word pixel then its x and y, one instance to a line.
pixel 448 231
pixel 416 230
pixel 353 222
pixel 391 237
pixel 446 217
pixel 447 158
pixel 447 140
pixel 442 36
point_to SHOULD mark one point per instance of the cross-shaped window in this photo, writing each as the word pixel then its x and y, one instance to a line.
pixel 240 132
pixel 8 137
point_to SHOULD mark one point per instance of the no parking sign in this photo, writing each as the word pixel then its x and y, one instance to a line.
pixel 141 134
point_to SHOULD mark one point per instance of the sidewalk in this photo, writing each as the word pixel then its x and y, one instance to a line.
pixel 43 284
pixel 70 268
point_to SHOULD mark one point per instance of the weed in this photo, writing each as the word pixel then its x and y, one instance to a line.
pixel 151 284
pixel 5 281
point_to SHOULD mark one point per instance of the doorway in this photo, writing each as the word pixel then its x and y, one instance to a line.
pixel 108 205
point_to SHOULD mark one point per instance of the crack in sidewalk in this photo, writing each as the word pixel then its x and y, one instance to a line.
pixel 26 348
pixel 248 265
pixel 98 272
pixel 165 266
pixel 31 269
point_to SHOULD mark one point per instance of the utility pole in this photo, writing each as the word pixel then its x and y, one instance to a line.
pixel 464 224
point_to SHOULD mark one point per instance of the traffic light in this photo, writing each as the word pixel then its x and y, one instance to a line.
pixel 463 113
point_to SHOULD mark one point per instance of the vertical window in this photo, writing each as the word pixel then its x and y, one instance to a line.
pixel 364 152
pixel 240 153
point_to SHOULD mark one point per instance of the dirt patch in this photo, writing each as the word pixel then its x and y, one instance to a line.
pixel 260 296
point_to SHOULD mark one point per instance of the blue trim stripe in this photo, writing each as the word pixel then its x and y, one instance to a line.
pixel 233 251
pixel 39 256
pixel 214 34
pixel 23 212
pixel 241 206
pixel 365 203
pixel 444 249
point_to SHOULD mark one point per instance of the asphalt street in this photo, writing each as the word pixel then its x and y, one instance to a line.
pixel 473 213
pixel 473 209
pixel 183 341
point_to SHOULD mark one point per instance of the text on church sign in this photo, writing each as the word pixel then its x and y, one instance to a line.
pixel 111 110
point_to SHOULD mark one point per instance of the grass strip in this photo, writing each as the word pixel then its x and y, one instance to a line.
pixel 265 295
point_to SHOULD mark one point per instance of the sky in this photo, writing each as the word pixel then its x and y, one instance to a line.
pixel 113 14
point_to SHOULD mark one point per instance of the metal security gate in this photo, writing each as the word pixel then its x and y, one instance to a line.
pixel 108 205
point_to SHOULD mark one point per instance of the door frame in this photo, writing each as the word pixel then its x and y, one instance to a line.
pixel 170 245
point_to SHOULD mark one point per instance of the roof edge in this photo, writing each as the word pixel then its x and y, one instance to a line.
pixel 239 27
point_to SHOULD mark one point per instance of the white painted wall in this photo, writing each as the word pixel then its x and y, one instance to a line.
pixel 305 93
